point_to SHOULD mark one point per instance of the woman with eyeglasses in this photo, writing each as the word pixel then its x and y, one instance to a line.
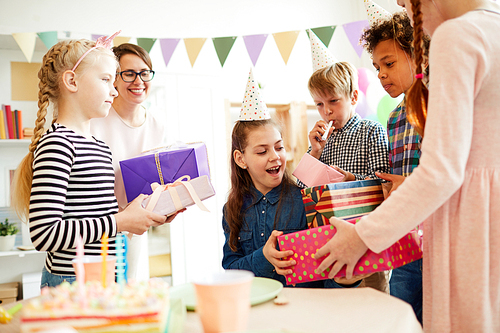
pixel 129 129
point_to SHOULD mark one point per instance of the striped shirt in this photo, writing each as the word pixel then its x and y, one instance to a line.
pixel 360 147
pixel 404 143
pixel 72 193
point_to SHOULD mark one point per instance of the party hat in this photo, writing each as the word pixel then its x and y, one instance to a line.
pixel 321 55
pixel 376 14
pixel 253 107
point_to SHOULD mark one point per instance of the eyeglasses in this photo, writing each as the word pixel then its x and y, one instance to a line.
pixel 131 76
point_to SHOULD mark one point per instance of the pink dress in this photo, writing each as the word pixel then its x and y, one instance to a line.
pixel 456 187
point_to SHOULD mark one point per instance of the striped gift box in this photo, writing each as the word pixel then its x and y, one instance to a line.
pixel 346 200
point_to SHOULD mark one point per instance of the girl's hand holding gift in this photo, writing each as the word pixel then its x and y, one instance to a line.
pixel 135 219
pixel 275 257
pixel 345 248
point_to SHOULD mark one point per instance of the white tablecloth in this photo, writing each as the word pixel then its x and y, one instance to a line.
pixel 327 310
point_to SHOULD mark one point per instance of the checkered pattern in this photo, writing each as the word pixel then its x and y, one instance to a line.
pixel 404 143
pixel 360 147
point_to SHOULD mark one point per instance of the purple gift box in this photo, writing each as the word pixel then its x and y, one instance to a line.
pixel 163 166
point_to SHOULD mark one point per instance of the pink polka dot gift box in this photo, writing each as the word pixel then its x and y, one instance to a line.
pixel 307 242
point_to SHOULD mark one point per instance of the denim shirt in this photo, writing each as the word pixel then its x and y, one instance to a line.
pixel 258 223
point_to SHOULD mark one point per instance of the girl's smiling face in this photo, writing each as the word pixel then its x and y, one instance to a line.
pixel 395 68
pixel 264 157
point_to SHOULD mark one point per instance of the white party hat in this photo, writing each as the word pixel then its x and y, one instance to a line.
pixel 321 55
pixel 253 107
pixel 376 14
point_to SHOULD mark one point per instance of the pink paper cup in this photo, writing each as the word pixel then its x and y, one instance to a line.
pixel 93 268
pixel 223 301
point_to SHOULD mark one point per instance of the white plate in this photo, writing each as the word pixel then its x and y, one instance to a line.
pixel 263 289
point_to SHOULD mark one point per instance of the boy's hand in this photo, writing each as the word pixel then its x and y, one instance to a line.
pixel 275 257
pixel 317 143
pixel 348 177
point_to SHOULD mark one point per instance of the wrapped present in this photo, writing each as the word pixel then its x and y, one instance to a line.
pixel 313 172
pixel 163 167
pixel 171 198
pixel 306 243
pixel 346 200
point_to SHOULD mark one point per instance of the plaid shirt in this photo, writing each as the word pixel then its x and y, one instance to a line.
pixel 404 143
pixel 360 147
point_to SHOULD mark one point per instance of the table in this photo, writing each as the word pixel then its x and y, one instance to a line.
pixel 316 311
pixel 328 310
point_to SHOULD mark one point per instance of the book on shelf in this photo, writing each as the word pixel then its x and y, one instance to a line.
pixel 2 125
pixel 11 123
pixel 8 117
pixel 19 124
pixel 28 132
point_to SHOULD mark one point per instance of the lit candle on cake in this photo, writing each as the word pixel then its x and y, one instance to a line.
pixel 104 253
pixel 120 259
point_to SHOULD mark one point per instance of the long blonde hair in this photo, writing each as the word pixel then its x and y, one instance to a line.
pixel 60 58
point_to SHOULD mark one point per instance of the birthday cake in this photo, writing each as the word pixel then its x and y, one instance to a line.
pixel 135 307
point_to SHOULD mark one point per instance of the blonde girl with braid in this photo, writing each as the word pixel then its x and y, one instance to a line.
pixel 455 190
pixel 64 186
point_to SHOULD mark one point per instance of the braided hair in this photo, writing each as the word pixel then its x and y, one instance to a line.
pixel 418 95
pixel 60 58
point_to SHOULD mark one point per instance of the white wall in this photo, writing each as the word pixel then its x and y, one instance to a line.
pixel 191 100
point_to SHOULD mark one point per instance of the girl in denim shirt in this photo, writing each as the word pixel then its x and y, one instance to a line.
pixel 263 203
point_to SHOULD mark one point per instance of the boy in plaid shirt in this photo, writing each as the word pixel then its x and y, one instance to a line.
pixel 355 147
pixel 390 44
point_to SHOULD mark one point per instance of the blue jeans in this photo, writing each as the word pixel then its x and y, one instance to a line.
pixel 52 280
pixel 406 284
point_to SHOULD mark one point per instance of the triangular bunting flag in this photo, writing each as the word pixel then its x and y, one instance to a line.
pixel 120 40
pixel 222 46
pixel 320 54
pixel 253 107
pixel 26 41
pixel 193 48
pixel 48 38
pixel 325 33
pixel 354 30
pixel 146 43
pixel 285 42
pixel 168 46
pixel 376 14
pixel 254 44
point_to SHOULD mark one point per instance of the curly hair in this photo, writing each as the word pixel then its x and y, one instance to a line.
pixel 398 29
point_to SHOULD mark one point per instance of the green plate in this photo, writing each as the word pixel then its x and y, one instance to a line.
pixel 263 289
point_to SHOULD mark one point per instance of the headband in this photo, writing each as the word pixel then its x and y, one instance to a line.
pixel 101 42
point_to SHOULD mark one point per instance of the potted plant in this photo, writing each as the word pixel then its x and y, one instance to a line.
pixel 8 233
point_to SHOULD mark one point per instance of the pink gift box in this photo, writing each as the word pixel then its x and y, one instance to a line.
pixel 166 204
pixel 307 242
pixel 313 172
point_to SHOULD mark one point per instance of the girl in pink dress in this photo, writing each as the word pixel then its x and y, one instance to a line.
pixel 456 187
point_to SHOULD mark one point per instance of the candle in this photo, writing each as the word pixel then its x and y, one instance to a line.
pixel 104 253
pixel 125 250
pixel 120 259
